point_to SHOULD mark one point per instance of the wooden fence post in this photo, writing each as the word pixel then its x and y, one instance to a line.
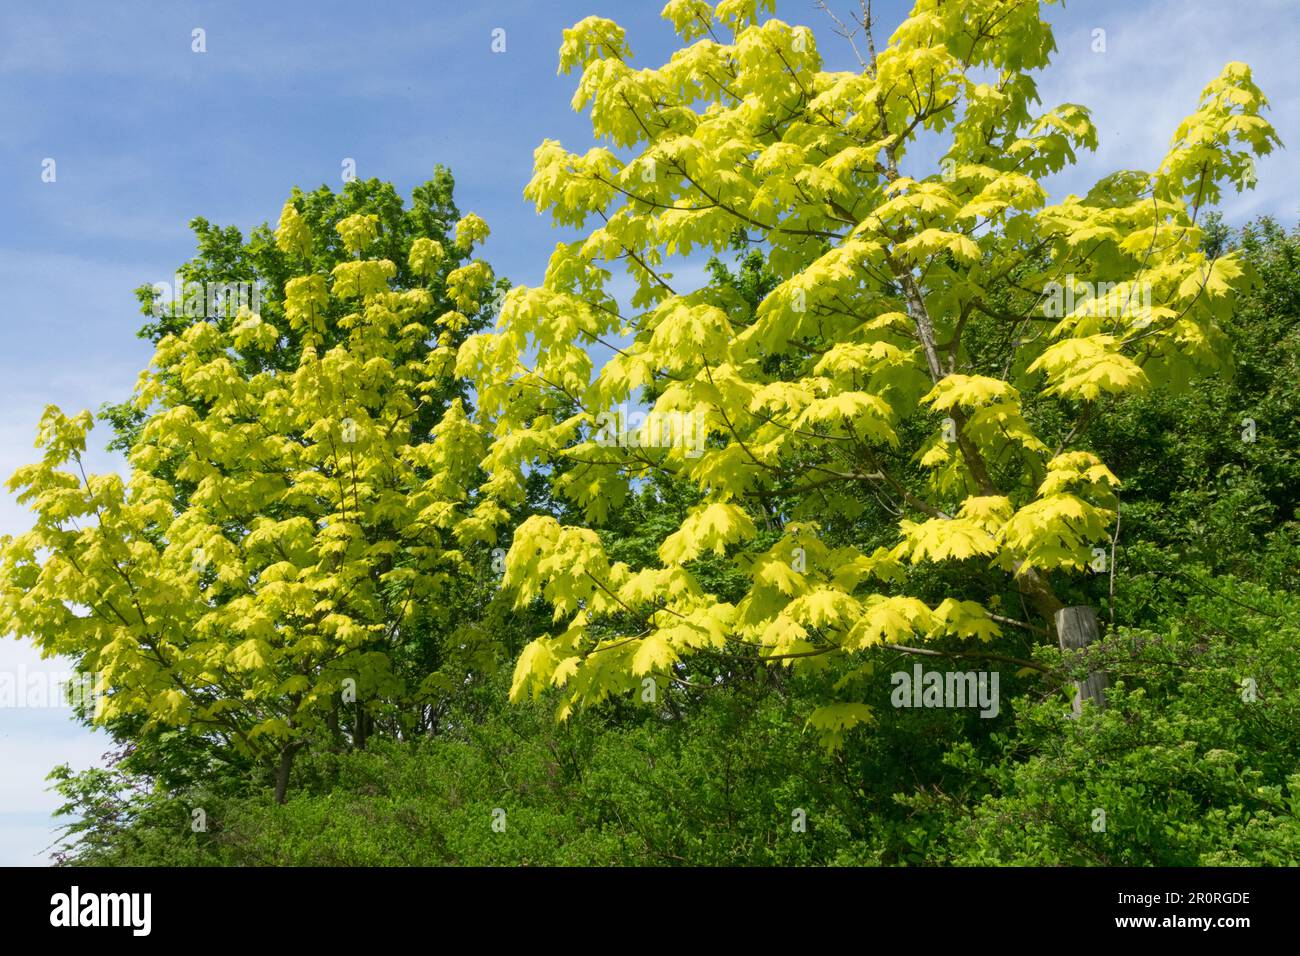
pixel 1076 628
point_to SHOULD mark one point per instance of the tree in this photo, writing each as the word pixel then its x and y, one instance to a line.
pixel 940 342
pixel 280 567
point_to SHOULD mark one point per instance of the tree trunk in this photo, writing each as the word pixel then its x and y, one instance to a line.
pixel 332 722
pixel 282 772
pixel 1076 628
pixel 362 729
pixel 1038 593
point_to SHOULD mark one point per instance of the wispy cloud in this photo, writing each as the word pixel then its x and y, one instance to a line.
pixel 1158 57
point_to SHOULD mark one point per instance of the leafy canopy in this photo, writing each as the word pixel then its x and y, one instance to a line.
pixel 294 518
pixel 906 351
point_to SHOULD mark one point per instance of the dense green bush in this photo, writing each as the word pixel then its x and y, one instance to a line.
pixel 1195 761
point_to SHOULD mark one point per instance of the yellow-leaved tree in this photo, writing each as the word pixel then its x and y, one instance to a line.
pixel 294 515
pixel 937 336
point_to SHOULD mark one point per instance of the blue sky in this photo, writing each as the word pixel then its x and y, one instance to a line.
pixel 147 134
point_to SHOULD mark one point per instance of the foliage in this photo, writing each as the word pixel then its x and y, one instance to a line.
pixel 1199 484
pixel 1187 772
pixel 929 339
pixel 291 528
pixel 1193 762
pixel 927 395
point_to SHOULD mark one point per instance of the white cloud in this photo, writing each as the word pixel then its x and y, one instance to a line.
pixel 1157 60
